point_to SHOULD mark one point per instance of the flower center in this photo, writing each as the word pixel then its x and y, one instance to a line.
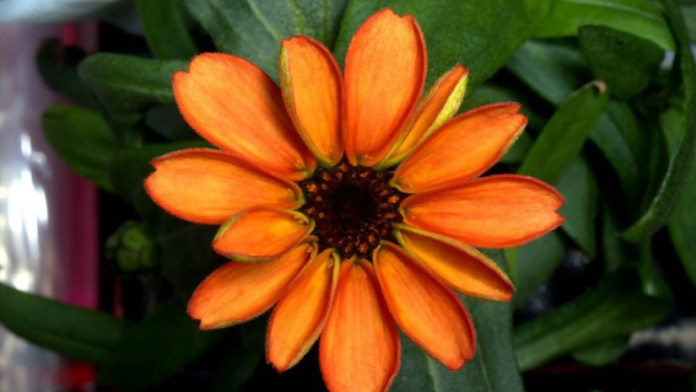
pixel 352 207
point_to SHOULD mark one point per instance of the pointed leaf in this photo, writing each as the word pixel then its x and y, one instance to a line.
pixel 165 30
pixel 156 348
pixel 565 133
pixel 83 140
pixel 639 17
pixel 677 173
pixel 71 331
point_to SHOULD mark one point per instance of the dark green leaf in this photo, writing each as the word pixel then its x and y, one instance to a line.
pixel 186 256
pixel 602 353
pixel 535 262
pixel 682 226
pixel 680 163
pixel 82 140
pixel 615 308
pixel 167 121
pixel 624 61
pixel 57 65
pixel 155 349
pixel 553 69
pixel 564 135
pixel 126 87
pixel 253 29
pixel 624 144
pixel 689 11
pixel 165 30
pixel 638 17
pixel 480 35
pixel 492 369
pixel 615 251
pixel 68 330
pixel 240 362
pixel 581 191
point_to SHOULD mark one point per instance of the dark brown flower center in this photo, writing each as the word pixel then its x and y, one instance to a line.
pixel 353 208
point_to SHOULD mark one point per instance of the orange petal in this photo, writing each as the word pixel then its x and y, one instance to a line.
pixel 237 292
pixel 313 92
pixel 438 105
pixel 359 348
pixel 461 266
pixel 234 105
pixel 385 73
pixel 210 186
pixel 299 317
pixel 428 312
pixel 261 233
pixel 463 148
pixel 492 212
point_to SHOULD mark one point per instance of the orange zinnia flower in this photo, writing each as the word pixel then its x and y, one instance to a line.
pixel 321 243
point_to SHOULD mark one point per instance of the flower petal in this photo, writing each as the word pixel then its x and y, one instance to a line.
pixel 461 266
pixel 312 89
pixel 300 315
pixel 237 291
pixel 438 105
pixel 209 186
pixel 359 349
pixel 234 105
pixel 385 73
pixel 463 148
pixel 261 233
pixel 428 312
pixel 491 212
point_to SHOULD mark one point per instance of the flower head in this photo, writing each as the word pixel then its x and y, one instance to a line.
pixel 318 223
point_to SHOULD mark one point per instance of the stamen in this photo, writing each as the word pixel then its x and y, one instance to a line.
pixel 353 208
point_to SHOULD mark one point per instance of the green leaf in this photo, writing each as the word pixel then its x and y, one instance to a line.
pixel 57 65
pixel 156 348
pixel 564 135
pixel 581 191
pixel 689 11
pixel 638 17
pixel 186 256
pixel 241 360
pixel 535 263
pixel 253 29
pixel 615 308
pixel 167 121
pixel 615 251
pixel 71 331
pixel 602 353
pixel 680 163
pixel 126 87
pixel 682 227
pixel 492 369
pixel 81 139
pixel 553 69
pixel 165 30
pixel 624 61
pixel 480 35
pixel 624 144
